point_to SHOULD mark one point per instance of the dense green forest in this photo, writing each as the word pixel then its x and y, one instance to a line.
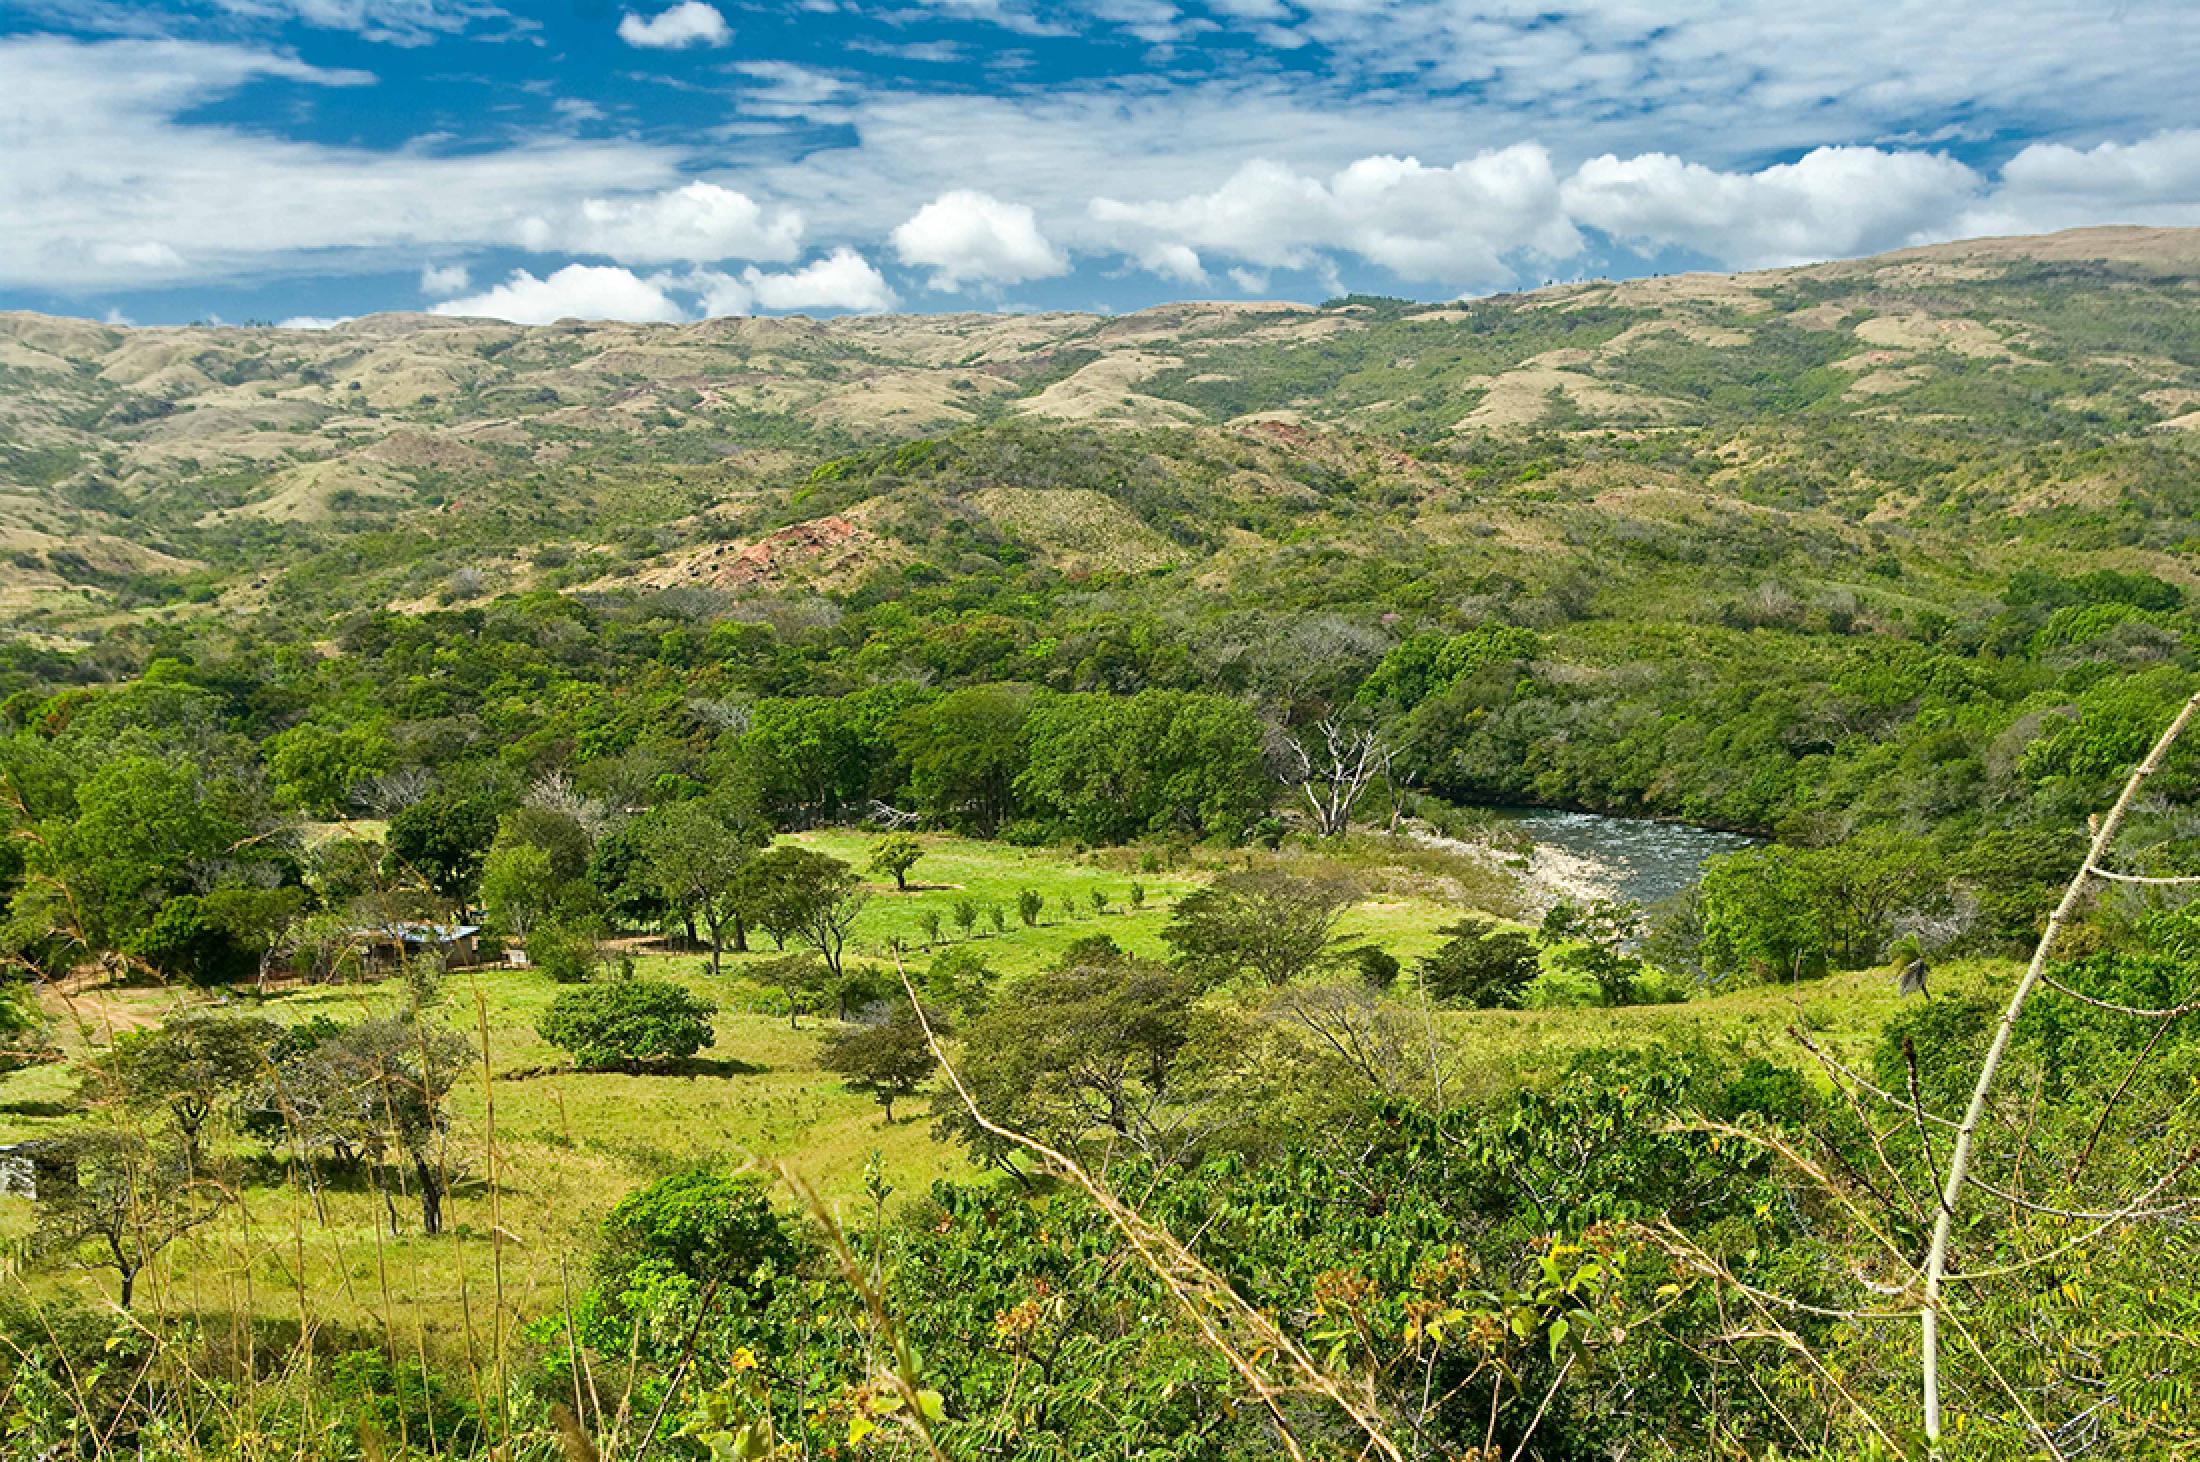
pixel 925 887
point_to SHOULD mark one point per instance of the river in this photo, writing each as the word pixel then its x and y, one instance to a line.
pixel 1634 858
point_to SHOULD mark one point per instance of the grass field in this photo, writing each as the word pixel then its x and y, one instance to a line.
pixel 567 1145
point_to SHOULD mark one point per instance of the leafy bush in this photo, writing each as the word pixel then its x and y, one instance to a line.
pixel 1482 964
pixel 624 1024
pixel 701 1225
pixel 567 954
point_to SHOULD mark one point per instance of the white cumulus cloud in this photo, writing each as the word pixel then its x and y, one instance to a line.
pixel 966 237
pixel 576 292
pixel 2051 185
pixel 842 280
pixel 690 23
pixel 696 223
pixel 1830 202
pixel 1180 262
pixel 1455 224
pixel 440 281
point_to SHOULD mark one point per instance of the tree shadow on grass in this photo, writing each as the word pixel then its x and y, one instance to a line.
pixel 37 1107
pixel 693 1066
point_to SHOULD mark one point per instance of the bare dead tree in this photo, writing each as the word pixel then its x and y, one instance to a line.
pixel 1333 764
pixel 721 713
pixel 893 818
pixel 393 792
pixel 554 792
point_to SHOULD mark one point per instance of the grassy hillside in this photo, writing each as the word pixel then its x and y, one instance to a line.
pixel 2054 380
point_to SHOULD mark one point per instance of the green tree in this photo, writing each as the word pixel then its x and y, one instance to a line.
pixel 965 751
pixel 821 757
pixel 221 936
pixel 558 833
pixel 885 1055
pixel 518 888
pixel 126 1203
pixel 797 893
pixel 443 838
pixel 1273 927
pixel 1760 916
pixel 628 1024
pixel 1086 1051
pixel 1596 941
pixel 1029 902
pixel 190 1066
pixel 801 980
pixel 894 856
pixel 384 1085
pixel 317 768
pixel 958 981
pixel 1481 964
pixel 1113 767
pixel 145 826
pixel 697 861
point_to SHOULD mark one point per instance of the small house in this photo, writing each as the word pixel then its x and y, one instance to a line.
pixel 29 1169
pixel 385 947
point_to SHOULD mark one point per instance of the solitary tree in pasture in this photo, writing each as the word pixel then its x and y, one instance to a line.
pixel 894 856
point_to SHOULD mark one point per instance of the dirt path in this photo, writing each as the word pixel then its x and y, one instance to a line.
pixel 95 1013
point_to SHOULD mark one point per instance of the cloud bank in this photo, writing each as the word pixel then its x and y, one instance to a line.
pixel 1415 144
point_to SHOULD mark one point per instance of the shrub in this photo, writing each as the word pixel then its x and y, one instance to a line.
pixel 1482 964
pixel 627 1023
pixel 701 1225
pixel 566 954
pixel 1378 967
pixel 396 1400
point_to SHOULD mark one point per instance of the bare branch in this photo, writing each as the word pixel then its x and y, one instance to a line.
pixel 1959 1162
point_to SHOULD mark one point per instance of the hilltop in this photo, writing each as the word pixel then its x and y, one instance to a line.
pixel 2025 379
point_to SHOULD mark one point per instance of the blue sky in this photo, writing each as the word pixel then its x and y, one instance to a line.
pixel 316 159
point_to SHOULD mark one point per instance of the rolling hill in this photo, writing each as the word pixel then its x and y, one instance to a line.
pixel 2019 386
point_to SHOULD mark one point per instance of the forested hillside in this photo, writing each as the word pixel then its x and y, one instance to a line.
pixel 422 740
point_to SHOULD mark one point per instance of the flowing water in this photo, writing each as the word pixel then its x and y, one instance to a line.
pixel 1635 857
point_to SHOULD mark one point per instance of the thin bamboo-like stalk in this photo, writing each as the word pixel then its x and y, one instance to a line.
pixel 1959 1161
